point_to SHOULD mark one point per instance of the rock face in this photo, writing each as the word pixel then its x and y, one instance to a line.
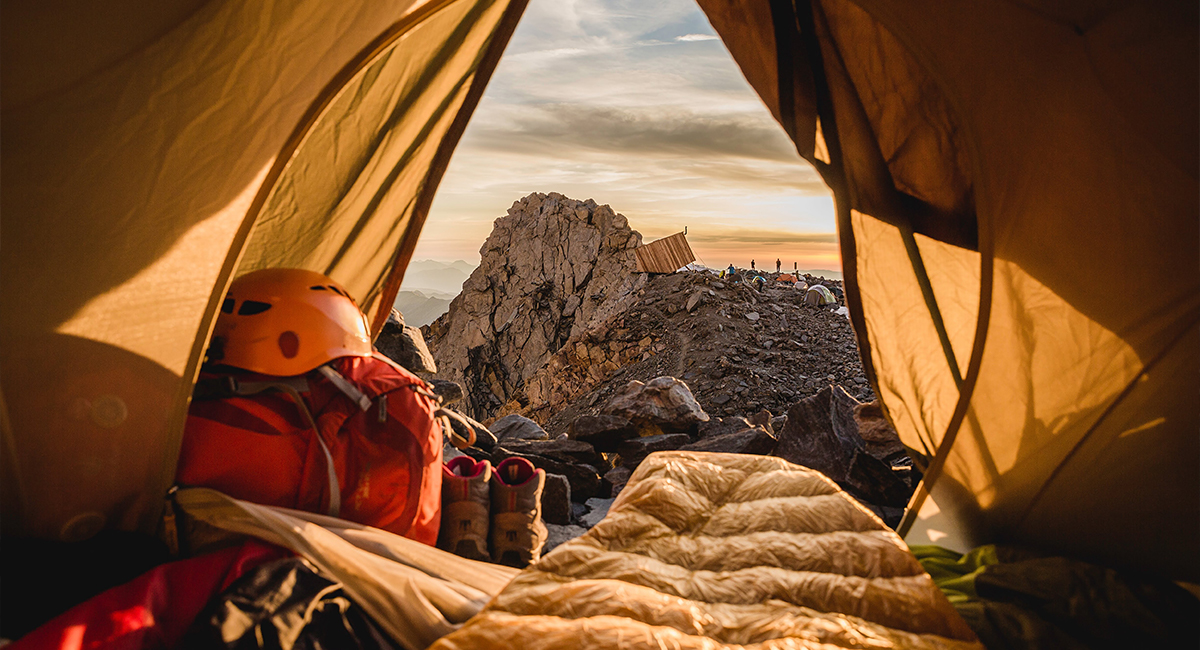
pixel 552 270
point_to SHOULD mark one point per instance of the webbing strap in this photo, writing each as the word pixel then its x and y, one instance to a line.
pixel 344 385
pixel 292 387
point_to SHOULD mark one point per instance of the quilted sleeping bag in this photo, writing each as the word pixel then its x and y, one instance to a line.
pixel 704 550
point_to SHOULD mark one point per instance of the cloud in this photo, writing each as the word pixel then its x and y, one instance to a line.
pixel 638 105
pixel 636 130
pixel 764 236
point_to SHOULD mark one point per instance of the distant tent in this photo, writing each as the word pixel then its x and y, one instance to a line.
pixel 666 255
pixel 786 278
pixel 819 295
pixel 993 164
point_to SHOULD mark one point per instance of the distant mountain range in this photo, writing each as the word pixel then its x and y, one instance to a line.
pixel 421 309
pixel 428 288
pixel 435 276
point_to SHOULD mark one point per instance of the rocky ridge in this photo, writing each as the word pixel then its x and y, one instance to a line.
pixel 556 319
pixel 573 360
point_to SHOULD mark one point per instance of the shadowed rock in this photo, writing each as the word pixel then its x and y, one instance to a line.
pixel 517 427
pixel 556 500
pixel 747 441
pixel 822 433
pixel 604 432
pixel 635 451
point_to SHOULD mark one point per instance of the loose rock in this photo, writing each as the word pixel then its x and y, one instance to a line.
pixel 556 500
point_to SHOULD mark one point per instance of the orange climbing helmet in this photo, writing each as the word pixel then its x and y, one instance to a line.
pixel 287 322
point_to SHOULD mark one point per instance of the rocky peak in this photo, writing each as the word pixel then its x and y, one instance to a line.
pixel 552 270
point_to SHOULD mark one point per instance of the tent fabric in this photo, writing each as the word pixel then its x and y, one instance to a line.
pixel 706 550
pixel 994 164
pixel 415 593
pixel 202 134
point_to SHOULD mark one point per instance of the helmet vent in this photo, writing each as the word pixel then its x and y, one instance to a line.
pixel 289 344
pixel 227 305
pixel 317 287
pixel 252 307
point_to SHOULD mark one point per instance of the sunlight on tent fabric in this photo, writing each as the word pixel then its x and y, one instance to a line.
pixel 1156 422
pixel 1036 339
pixel 131 315
pixel 347 200
pixel 920 398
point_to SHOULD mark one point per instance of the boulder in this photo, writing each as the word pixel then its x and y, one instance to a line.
pixel 556 500
pixel 557 535
pixel 561 449
pixel 633 452
pixel 517 427
pixel 875 482
pixel 881 439
pixel 405 345
pixel 597 509
pixel 694 301
pixel 821 433
pixel 604 432
pixel 664 402
pixel 449 391
pixel 756 440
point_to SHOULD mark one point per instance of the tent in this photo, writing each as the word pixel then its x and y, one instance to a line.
pixel 992 163
pixel 819 295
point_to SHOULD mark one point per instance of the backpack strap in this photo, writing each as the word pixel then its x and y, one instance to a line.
pixel 346 386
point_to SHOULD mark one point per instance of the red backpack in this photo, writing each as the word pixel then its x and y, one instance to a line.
pixel 363 426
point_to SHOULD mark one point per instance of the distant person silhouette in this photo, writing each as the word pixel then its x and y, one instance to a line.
pixel 778 264
pixel 732 270
pixel 751 265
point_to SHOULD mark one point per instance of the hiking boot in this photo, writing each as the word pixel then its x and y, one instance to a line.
pixel 518 532
pixel 465 508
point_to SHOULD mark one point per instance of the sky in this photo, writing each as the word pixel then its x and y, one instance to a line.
pixel 637 105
